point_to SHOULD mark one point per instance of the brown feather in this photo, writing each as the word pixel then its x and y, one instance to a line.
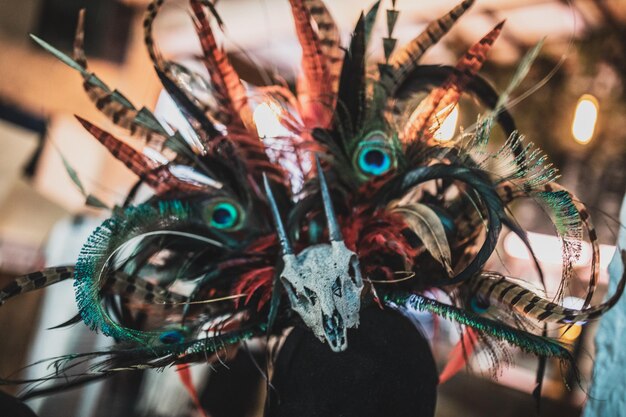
pixel 314 85
pixel 440 102
pixel 154 174
pixel 229 90
pixel 404 60
pixel 111 103
pixel 329 38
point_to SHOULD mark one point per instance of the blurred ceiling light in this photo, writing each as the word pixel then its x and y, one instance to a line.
pixel 267 123
pixel 585 118
pixel 448 128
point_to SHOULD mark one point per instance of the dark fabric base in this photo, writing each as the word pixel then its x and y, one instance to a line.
pixel 387 370
pixel 12 407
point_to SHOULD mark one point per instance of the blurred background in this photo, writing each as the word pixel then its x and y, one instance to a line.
pixel 572 105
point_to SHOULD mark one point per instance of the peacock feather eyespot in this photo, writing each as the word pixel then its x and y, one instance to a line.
pixel 479 305
pixel 374 157
pixel 224 215
pixel 170 337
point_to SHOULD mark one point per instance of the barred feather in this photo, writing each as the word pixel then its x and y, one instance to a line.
pixel 440 102
pixel 329 38
pixel 229 91
pixel 405 60
pixel 575 212
pixel 315 85
pixel 112 104
pixel 497 290
pixel 35 281
pixel 155 174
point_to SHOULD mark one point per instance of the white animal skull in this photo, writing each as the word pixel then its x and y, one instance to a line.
pixel 324 284
pixel 324 281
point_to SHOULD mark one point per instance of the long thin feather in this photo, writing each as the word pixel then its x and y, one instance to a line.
pixel 423 220
pixel 112 104
pixel 328 34
pixel 153 173
pixel 441 101
pixel 314 86
pixel 497 290
pixel 526 341
pixel 405 60
pixel 351 96
pixel 486 123
pixel 230 92
pixel 35 281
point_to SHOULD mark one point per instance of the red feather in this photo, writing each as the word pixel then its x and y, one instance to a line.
pixel 315 85
pixel 154 174
pixel 459 355
pixel 229 90
pixel 440 102
pixel 185 377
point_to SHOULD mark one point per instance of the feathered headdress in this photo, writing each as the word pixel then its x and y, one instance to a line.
pixel 356 204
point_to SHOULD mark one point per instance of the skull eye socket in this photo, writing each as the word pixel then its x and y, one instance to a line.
pixel 297 297
pixel 352 271
pixel 310 295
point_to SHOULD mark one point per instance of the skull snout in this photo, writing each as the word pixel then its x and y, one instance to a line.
pixel 335 331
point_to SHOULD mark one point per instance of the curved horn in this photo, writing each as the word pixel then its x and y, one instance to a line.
pixel 334 231
pixel 283 238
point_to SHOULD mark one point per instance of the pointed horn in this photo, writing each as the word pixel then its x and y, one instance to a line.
pixel 283 238
pixel 333 225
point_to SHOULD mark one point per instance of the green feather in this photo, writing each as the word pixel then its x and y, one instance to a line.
pixel 370 20
pixel 485 124
pixel 528 342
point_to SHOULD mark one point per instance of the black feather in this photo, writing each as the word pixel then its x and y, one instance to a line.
pixel 351 95
pixel 189 109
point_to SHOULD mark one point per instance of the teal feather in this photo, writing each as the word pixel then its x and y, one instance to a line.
pixel 528 342
pixel 113 233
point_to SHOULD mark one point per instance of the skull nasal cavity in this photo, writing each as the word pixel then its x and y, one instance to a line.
pixel 337 288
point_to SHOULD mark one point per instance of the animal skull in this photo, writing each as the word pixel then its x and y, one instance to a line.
pixel 324 281
pixel 324 284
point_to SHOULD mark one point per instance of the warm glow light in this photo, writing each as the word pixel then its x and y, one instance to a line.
pixel 571 333
pixel 448 128
pixel 548 249
pixel 585 119
pixel 267 123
